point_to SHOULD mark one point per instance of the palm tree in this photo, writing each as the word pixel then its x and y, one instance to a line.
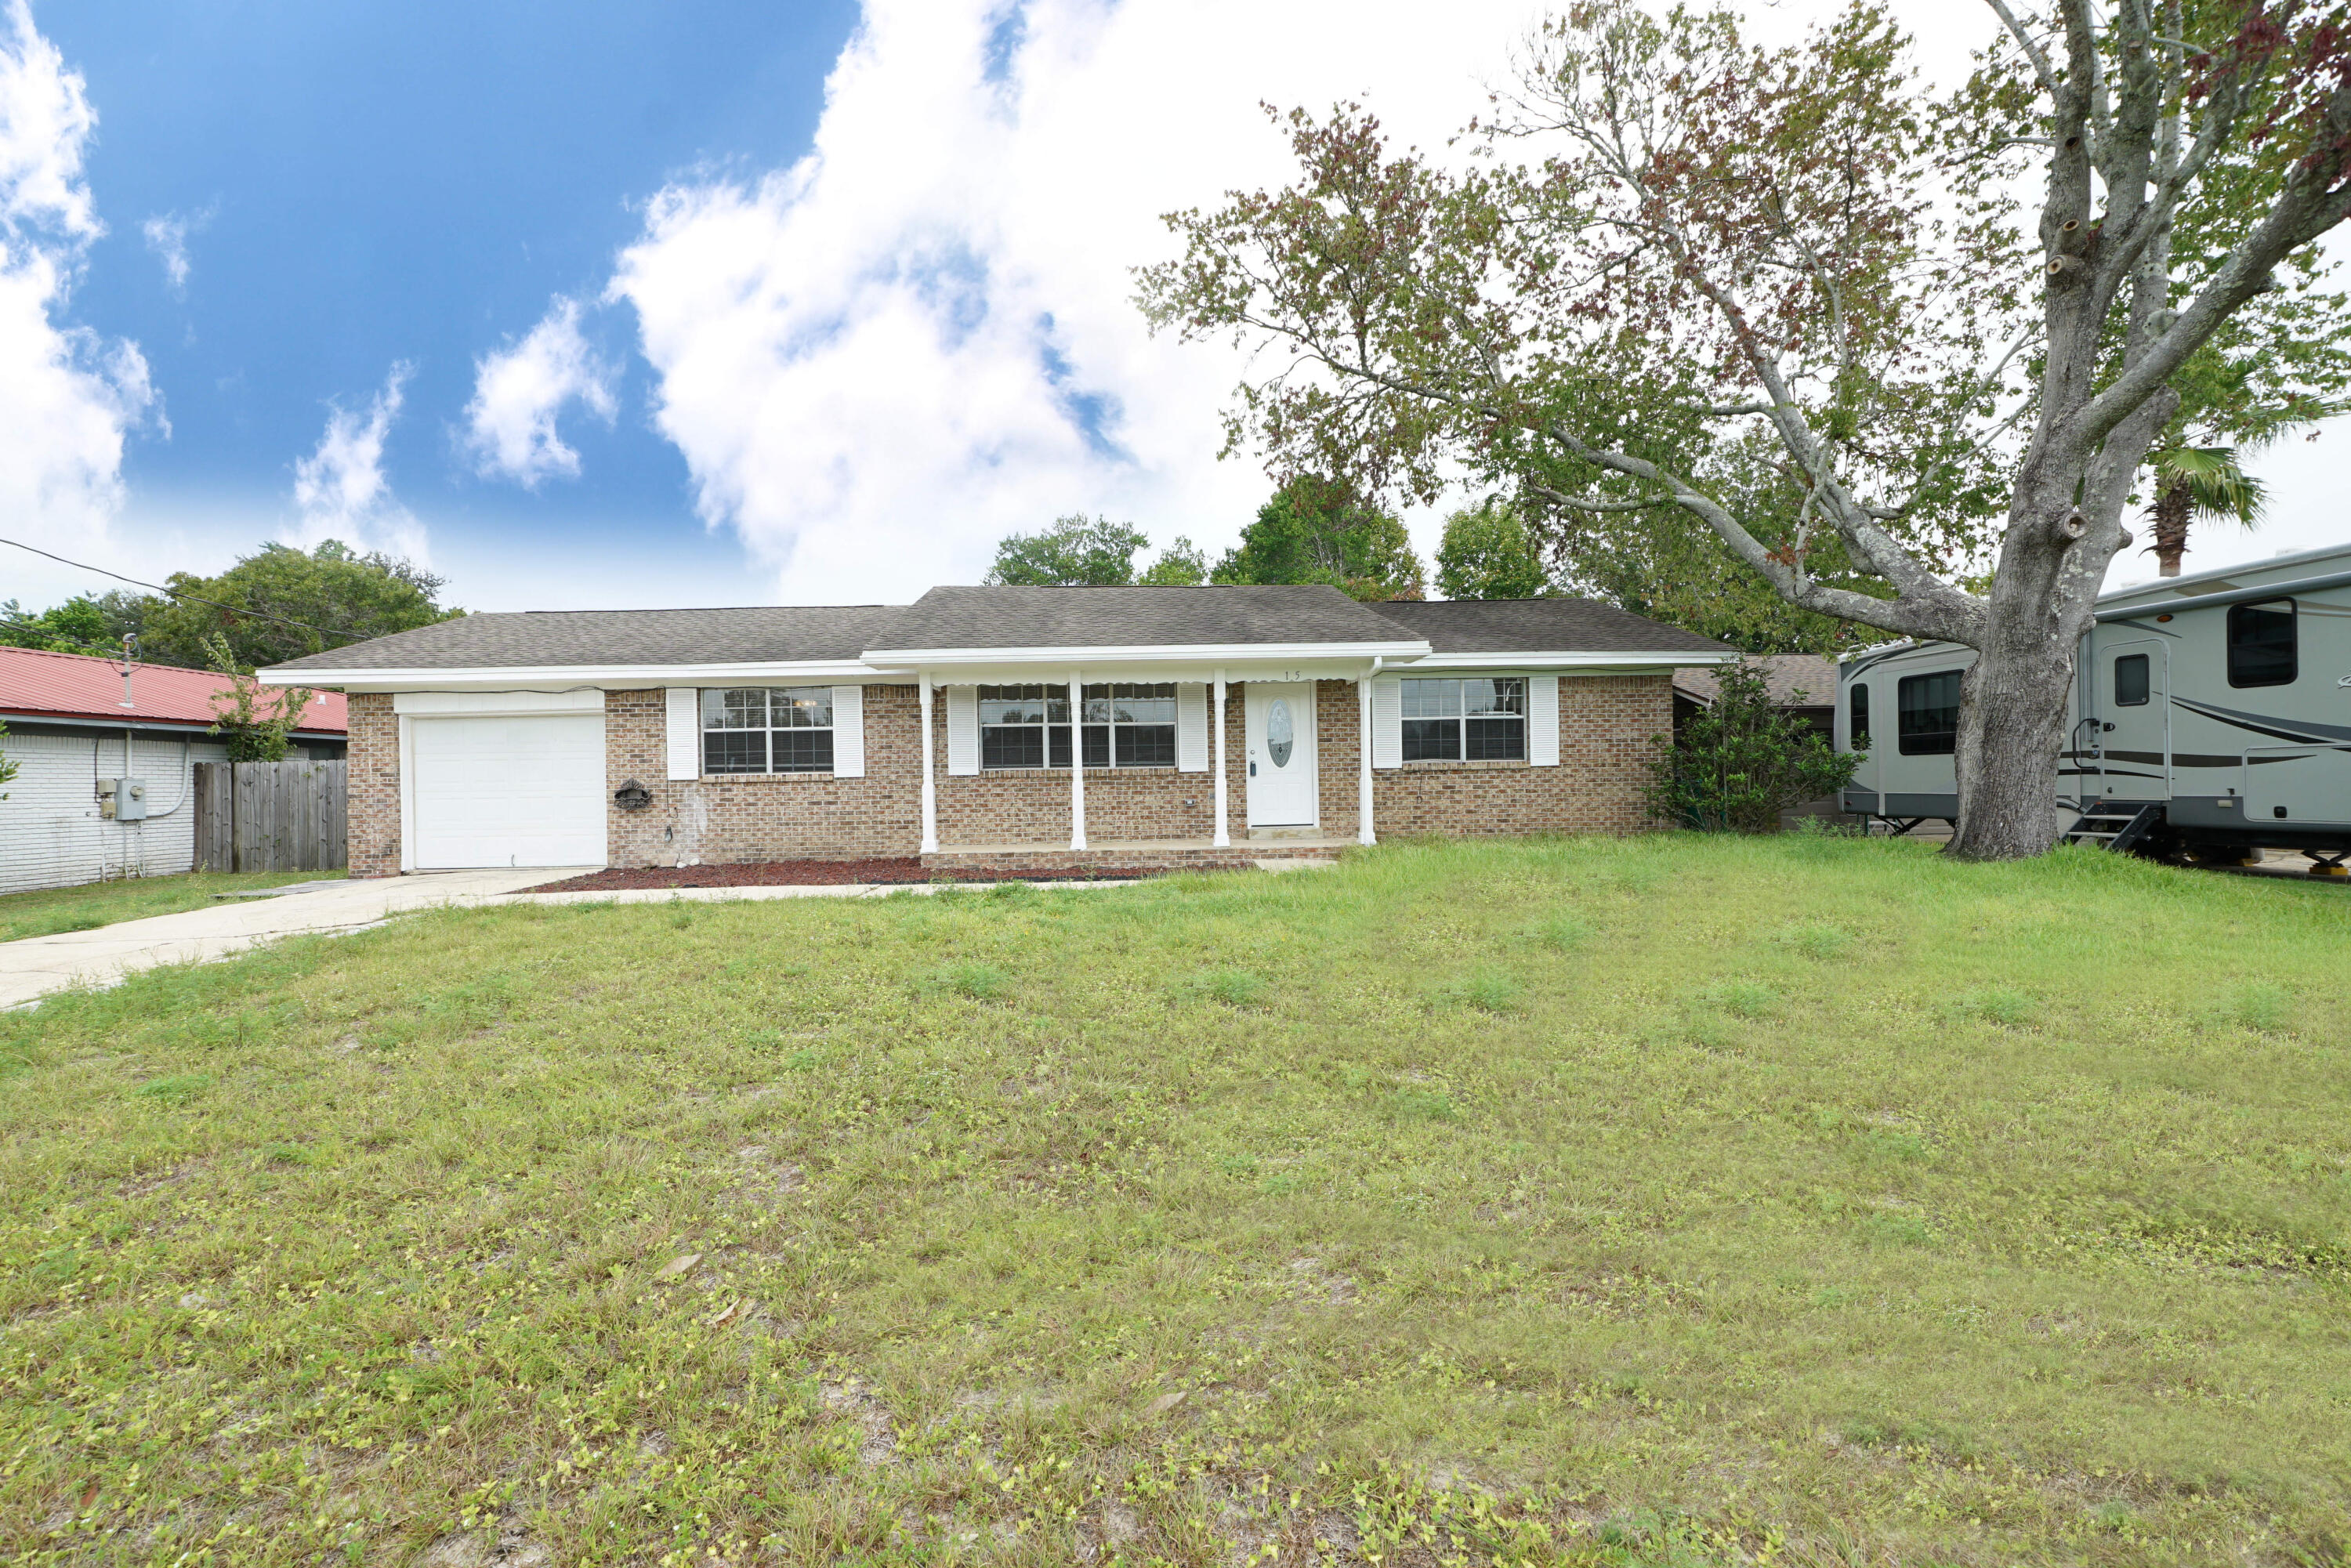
pixel 2198 482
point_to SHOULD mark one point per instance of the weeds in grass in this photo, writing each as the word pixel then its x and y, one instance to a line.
pixel 2260 1006
pixel 1022 1284
pixel 2000 1005
pixel 1561 933
pixel 175 1089
pixel 1415 1104
pixel 1822 942
pixel 1234 987
pixel 1485 991
pixel 1745 998
pixel 981 982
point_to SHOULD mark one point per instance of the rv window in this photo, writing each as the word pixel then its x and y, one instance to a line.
pixel 1927 713
pixel 2261 643
pixel 2130 681
pixel 1858 718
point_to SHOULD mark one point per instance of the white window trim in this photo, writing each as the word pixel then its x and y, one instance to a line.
pixel 1463 718
pixel 832 770
pixel 1050 689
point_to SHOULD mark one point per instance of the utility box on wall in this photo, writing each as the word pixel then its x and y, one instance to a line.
pixel 123 800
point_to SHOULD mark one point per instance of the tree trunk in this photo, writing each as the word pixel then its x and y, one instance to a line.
pixel 2011 731
pixel 2173 504
pixel 2012 700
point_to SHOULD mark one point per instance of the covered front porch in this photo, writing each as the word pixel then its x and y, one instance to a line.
pixel 1257 765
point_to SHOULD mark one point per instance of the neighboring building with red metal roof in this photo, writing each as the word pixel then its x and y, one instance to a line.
pixel 77 730
pixel 41 687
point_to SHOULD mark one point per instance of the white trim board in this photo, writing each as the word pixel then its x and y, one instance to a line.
pixel 580 699
pixel 556 678
pixel 1086 658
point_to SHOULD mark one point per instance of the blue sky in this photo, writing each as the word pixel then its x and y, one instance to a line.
pixel 689 303
pixel 366 184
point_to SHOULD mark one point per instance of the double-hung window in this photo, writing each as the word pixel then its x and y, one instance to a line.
pixel 1127 725
pixel 1474 720
pixel 768 729
pixel 1927 713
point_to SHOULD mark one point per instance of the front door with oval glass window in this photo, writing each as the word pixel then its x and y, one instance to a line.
pixel 1281 791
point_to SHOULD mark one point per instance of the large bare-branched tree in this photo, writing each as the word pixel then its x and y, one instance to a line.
pixel 1798 299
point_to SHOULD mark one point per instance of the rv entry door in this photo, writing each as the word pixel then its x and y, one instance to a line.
pixel 2133 701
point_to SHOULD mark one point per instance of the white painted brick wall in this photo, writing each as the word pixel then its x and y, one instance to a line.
pixel 50 832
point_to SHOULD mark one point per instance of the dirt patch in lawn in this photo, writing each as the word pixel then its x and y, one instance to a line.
pixel 796 874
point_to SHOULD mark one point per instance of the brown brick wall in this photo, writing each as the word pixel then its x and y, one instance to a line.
pixel 371 805
pixel 763 817
pixel 1606 726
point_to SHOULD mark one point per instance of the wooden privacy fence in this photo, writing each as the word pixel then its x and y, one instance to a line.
pixel 270 816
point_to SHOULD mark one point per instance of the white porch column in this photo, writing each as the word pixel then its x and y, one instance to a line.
pixel 1223 838
pixel 1077 762
pixel 930 791
pixel 1364 834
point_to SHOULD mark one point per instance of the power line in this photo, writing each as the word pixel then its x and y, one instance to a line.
pixel 176 593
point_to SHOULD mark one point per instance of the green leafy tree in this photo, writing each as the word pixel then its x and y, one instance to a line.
pixel 82 624
pixel 1077 551
pixel 258 726
pixel 1320 530
pixel 1739 762
pixel 1180 565
pixel 1487 553
pixel 346 595
pixel 7 764
pixel 1953 319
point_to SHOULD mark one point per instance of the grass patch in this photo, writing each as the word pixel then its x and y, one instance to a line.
pixel 52 911
pixel 588 1234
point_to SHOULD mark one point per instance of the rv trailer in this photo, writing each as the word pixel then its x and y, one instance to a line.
pixel 2210 715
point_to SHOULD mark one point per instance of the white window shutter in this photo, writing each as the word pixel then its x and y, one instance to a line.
pixel 1543 720
pixel 1191 727
pixel 962 729
pixel 685 733
pixel 849 732
pixel 1387 722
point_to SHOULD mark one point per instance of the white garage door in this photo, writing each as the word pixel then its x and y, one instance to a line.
pixel 520 791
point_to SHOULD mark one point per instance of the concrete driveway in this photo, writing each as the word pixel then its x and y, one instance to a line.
pixel 32 967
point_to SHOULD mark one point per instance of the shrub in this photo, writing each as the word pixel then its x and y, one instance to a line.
pixel 1737 765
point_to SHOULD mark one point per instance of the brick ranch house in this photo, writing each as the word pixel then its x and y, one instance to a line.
pixel 1218 725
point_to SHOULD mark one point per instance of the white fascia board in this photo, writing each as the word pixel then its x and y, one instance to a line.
pixel 1597 663
pixel 835 672
pixel 1168 654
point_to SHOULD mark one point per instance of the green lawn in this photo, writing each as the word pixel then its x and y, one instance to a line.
pixel 95 904
pixel 1662 1201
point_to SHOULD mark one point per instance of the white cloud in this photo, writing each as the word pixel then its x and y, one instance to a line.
pixel 341 487
pixel 67 397
pixel 521 390
pixel 167 235
pixel 921 335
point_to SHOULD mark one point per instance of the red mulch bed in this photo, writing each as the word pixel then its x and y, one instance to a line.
pixel 815 874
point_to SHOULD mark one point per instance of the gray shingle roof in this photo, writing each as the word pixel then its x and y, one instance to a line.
pixel 1540 626
pixel 1138 617
pixel 1784 674
pixel 584 638
pixel 1006 617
